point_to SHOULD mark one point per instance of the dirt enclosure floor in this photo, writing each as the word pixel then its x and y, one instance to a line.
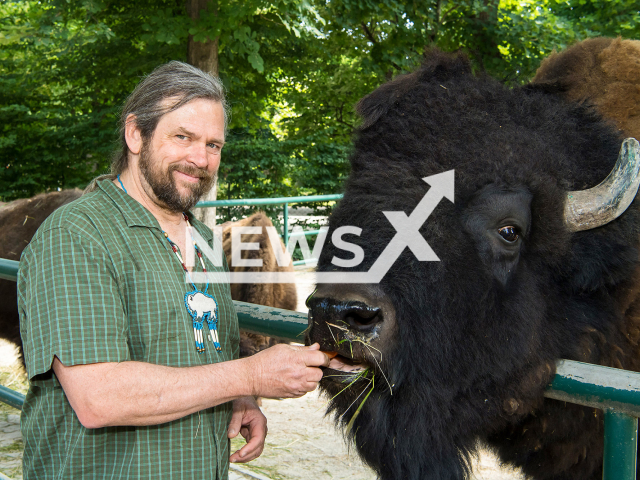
pixel 302 444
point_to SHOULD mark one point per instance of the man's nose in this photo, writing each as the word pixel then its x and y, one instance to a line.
pixel 198 155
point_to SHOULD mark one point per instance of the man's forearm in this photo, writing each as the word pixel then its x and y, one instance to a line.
pixel 138 393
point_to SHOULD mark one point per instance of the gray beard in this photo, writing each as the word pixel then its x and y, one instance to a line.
pixel 163 184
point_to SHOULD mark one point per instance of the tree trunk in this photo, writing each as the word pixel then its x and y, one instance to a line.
pixel 203 55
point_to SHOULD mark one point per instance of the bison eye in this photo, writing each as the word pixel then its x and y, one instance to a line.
pixel 510 234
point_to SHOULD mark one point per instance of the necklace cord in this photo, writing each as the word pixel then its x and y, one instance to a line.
pixel 176 251
pixel 125 190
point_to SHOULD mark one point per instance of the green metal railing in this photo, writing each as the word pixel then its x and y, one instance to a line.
pixel 275 201
pixel 615 391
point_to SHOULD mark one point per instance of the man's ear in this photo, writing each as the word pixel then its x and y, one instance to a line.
pixel 132 134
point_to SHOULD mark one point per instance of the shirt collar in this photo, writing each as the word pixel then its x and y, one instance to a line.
pixel 137 215
pixel 133 212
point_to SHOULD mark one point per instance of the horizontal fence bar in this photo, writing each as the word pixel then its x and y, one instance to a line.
pixel 306 233
pixel 274 322
pixel 11 397
pixel 311 262
pixel 596 386
pixel 8 269
pixel 575 382
pixel 269 201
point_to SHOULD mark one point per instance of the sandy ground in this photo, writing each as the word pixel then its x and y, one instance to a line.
pixel 302 444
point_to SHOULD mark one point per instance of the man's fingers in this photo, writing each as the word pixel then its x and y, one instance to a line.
pixel 251 450
pixel 255 433
pixel 234 428
pixel 315 375
pixel 235 423
pixel 315 358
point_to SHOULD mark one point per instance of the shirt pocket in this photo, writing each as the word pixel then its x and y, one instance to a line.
pixel 157 317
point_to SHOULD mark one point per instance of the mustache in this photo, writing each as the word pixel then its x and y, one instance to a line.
pixel 191 170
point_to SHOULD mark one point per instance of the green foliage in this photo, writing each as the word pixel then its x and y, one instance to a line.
pixel 294 70
pixel 62 81
pixel 260 165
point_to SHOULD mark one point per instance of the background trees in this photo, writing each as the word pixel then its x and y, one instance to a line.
pixel 293 68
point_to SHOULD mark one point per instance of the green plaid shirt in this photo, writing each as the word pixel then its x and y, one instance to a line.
pixel 99 283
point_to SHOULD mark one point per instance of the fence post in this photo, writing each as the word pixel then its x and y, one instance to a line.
pixel 285 216
pixel 620 446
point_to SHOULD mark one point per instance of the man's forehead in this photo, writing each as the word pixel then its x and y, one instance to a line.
pixel 168 103
pixel 199 112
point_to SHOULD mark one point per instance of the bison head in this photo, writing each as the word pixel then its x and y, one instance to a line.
pixel 441 354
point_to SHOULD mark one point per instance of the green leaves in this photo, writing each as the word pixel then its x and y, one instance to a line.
pixel 293 69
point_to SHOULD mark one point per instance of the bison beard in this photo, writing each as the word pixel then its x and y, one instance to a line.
pixel 460 351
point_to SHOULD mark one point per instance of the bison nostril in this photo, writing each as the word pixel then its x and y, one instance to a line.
pixel 362 317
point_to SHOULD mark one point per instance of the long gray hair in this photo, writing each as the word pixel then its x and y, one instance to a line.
pixel 175 80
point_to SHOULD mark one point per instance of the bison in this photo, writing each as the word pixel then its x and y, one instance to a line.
pixel 534 266
pixel 279 295
pixel 603 72
pixel 21 218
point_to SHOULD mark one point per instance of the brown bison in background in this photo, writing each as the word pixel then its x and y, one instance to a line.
pixel 19 221
pixel 21 218
pixel 280 295
pixel 603 72
pixel 538 261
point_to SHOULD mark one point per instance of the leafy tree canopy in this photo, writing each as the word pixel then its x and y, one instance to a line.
pixel 293 68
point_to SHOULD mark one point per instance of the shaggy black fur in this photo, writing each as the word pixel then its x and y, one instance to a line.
pixel 477 334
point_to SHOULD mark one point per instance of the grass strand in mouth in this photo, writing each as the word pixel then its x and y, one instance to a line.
pixel 356 399
pixel 359 409
pixel 358 376
pixel 369 347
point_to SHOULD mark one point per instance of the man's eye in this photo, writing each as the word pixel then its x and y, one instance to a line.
pixel 181 137
pixel 214 146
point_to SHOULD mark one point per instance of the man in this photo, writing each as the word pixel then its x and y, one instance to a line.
pixel 133 371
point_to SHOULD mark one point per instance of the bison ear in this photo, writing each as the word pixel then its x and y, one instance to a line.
pixel 441 66
pixel 373 106
pixel 437 65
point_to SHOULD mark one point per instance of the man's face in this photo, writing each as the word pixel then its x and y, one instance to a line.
pixel 180 161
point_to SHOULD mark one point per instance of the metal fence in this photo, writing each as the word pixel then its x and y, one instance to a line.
pixel 285 201
pixel 616 392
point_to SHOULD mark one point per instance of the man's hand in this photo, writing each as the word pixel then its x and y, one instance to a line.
pixel 249 421
pixel 286 371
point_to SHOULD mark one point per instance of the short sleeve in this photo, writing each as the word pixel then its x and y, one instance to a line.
pixel 70 303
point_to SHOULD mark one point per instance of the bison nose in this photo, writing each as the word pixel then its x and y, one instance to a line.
pixel 362 316
pixel 354 314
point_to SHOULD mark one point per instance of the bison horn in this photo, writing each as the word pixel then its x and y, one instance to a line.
pixel 597 206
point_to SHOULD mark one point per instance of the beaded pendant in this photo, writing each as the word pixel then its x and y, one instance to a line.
pixel 203 308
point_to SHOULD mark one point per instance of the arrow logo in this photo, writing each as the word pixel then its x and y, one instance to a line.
pixel 407 235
